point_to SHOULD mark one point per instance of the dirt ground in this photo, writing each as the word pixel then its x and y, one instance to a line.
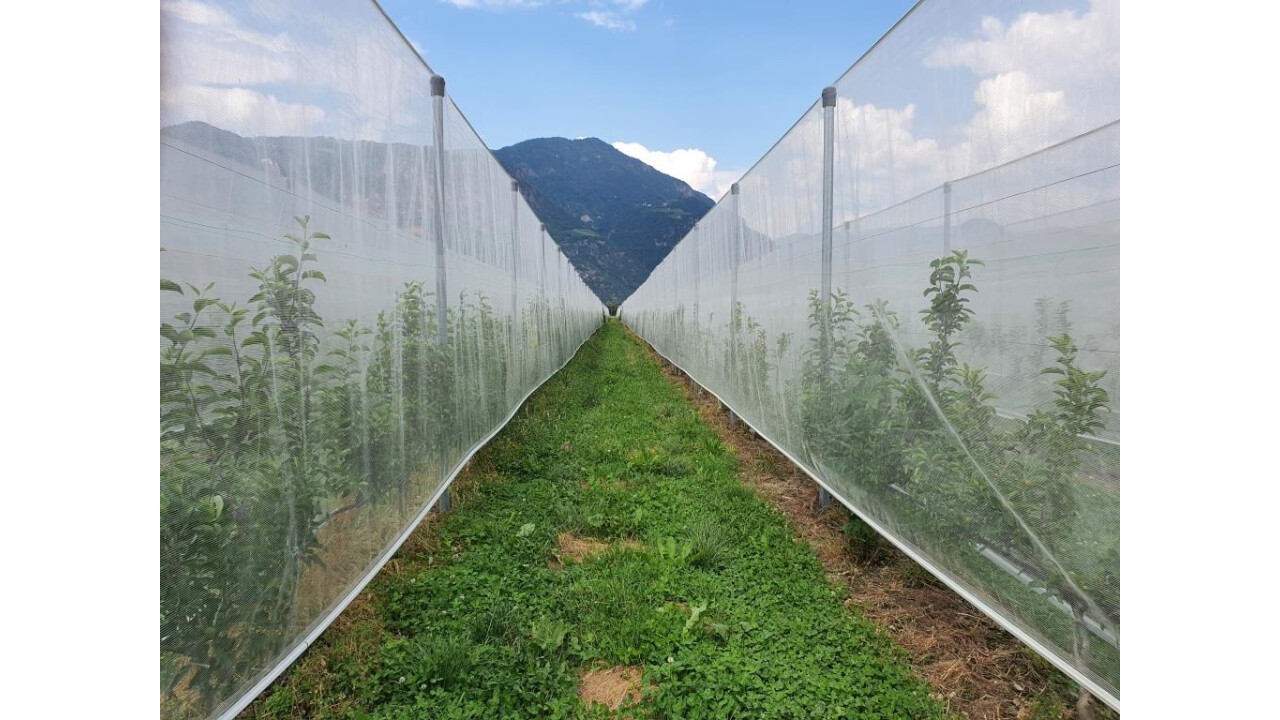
pixel 975 667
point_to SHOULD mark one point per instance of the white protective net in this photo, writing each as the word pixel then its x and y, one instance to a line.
pixel 312 404
pixel 958 385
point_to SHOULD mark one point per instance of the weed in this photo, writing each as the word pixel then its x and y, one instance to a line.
pixel 549 634
pixel 442 661
pixel 674 551
pixel 709 544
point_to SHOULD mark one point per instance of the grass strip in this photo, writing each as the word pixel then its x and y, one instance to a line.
pixel 604 530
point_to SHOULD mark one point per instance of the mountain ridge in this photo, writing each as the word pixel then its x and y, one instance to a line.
pixel 614 216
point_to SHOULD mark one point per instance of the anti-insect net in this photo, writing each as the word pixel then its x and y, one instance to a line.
pixel 958 385
pixel 315 393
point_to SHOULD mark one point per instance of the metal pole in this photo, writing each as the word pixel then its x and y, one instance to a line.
pixel 442 304
pixel 735 256
pixel 828 209
pixel 946 218
pixel 828 197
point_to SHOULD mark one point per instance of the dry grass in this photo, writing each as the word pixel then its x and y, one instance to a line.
pixel 974 667
pixel 611 686
pixel 348 542
pixel 577 548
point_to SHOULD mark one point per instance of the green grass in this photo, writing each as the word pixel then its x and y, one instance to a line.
pixel 729 614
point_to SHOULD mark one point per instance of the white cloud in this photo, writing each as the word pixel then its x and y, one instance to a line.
pixel 256 74
pixel 495 4
pixel 608 19
pixel 241 110
pixel 217 20
pixel 1014 118
pixel 1051 46
pixel 197 12
pixel 616 15
pixel 204 49
pixel 607 14
pixel 1042 75
pixel 691 165
pixel 1037 80
pixel 882 156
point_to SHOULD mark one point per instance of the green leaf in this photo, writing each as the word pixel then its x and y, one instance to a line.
pixel 197 366
pixel 215 505
pixel 170 286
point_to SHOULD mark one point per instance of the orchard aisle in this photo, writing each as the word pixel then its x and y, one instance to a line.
pixel 603 559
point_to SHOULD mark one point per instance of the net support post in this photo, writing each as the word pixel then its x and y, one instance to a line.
pixel 824 498
pixel 828 210
pixel 828 213
pixel 442 298
pixel 442 307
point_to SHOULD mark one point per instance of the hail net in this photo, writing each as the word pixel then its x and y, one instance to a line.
pixel 957 383
pixel 317 387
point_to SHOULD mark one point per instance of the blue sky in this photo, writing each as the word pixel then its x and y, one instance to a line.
pixel 719 77
pixel 698 90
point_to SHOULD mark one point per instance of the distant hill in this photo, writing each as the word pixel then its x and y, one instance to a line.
pixel 615 217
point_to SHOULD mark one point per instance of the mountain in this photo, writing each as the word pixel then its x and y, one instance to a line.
pixel 615 217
